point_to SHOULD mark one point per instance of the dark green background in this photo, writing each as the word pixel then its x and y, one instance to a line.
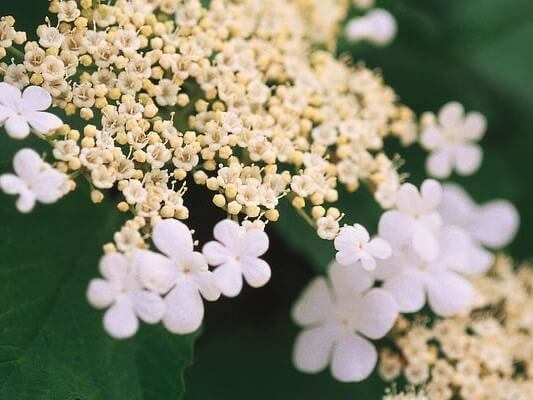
pixel 479 52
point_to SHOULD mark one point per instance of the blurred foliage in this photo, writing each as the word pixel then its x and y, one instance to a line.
pixel 52 346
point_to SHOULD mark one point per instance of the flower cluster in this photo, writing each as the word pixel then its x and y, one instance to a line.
pixel 483 353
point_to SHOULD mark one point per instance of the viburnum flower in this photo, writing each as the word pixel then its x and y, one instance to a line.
pixel 35 181
pixel 452 141
pixel 20 111
pixel 415 221
pixel 378 26
pixel 181 273
pixel 236 255
pixel 126 299
pixel 353 244
pixel 410 278
pixel 493 224
pixel 338 315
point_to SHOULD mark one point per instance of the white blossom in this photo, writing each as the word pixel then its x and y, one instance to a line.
pixel 415 221
pixel 20 111
pixel 126 299
pixel 35 181
pixel 180 272
pixel 452 141
pixel 338 315
pixel 236 255
pixel 378 26
pixel 353 244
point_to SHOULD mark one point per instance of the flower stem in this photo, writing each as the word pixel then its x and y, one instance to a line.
pixel 16 53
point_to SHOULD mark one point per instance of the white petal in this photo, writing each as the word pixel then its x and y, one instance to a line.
pixel 468 159
pixel 173 238
pixel 408 290
pixel 451 114
pixel 431 138
pixel 312 349
pixel 347 258
pixel 149 306
pixel 17 127
pixel 43 122
pixel 456 207
pixel 495 224
pixel 26 201
pixel 448 293
pixel 350 237
pixel 256 272
pixel 10 96
pixel 156 272
pixel 354 358
pixel 474 126
pixel 35 98
pixel 228 278
pixel 114 267
pixel 184 309
pixel 11 184
pixel 431 192
pixel 254 243
pixel 439 164
pixel 396 227
pixel 100 294
pixel 479 261
pixel 378 311
pixel 27 164
pixel 215 253
pixel 5 113
pixel 368 262
pixel 48 188
pixel 205 281
pixel 229 233
pixel 425 244
pixel 408 199
pixel 314 304
pixel 349 281
pixel 120 321
pixel 379 248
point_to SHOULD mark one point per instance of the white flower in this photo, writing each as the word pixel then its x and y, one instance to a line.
pixel 236 254
pixel 337 315
pixel 126 299
pixel 415 221
pixel 493 224
pixel 20 111
pixel 409 278
pixel 451 141
pixel 353 244
pixel 181 271
pixel 35 181
pixel 327 227
pixel 378 26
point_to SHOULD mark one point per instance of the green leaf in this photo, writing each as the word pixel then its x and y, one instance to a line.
pixel 52 344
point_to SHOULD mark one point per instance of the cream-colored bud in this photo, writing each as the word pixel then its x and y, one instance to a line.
pixel 212 183
pixel 180 174
pixel 182 213
pixel 183 99
pixel 74 134
pixel 317 199
pixel 219 200
pixel 123 206
pixel 90 131
pixel 334 212
pixel 86 114
pixel 167 211
pixel 318 212
pixel 234 208
pixel 74 164
pixel 139 156
pixel 200 177
pixel 253 211
pixel 150 111
pixel 272 215
pixel 298 202
pixel 97 196
pixel 332 196
pixel 231 191
pixel 225 152
pixel 109 248
pixel 87 142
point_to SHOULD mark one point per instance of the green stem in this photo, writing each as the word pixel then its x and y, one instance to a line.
pixel 16 53
pixel 306 217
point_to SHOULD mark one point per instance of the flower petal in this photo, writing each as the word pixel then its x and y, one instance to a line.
pixel 468 159
pixel 495 224
pixel 439 164
pixel 48 188
pixel 229 233
pixel 120 321
pixel 347 257
pixel 396 227
pixel 354 358
pixel 349 281
pixel 228 278
pixel 173 238
pixel 35 98
pixel 474 126
pixel 100 294
pixel 27 164
pixel 149 306
pixel 254 243
pixel 379 248
pixel 448 293
pixel 184 309
pixel 11 184
pixel 155 271
pixel 431 192
pixel 43 122
pixel 456 207
pixel 26 201
pixel 10 96
pixel 425 243
pixel 256 271
pixel 408 199
pixel 205 281
pixel 378 313
pixel 215 253
pixel 451 114
pixel 5 113
pixel 431 138
pixel 314 304
pixel 114 267
pixel 313 348
pixel 408 290
pixel 17 127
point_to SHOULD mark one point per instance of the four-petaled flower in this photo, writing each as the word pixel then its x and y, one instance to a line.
pixel 181 273
pixel 126 299
pixel 353 244
pixel 20 111
pixel 34 181
pixel 338 316
pixel 236 254
pixel 451 141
